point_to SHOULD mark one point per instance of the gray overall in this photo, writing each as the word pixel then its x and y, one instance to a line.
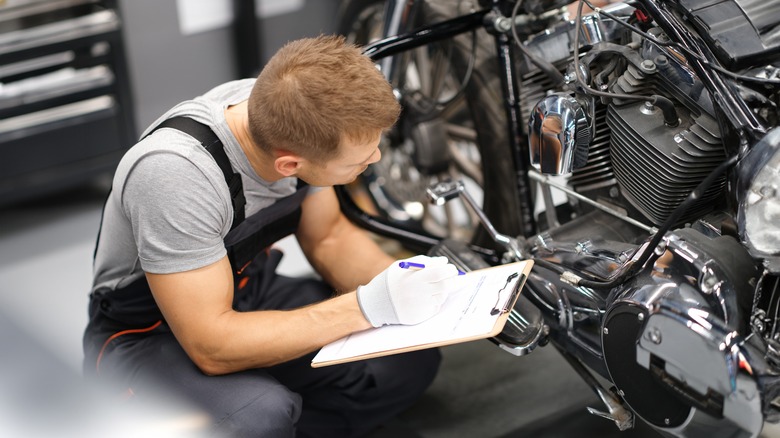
pixel 128 343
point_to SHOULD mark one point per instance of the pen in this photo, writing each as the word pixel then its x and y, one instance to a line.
pixel 413 265
pixel 407 265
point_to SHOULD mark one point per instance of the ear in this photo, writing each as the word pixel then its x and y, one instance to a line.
pixel 288 164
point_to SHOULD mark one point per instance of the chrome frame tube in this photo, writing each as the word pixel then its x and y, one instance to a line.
pixel 543 179
pixel 398 19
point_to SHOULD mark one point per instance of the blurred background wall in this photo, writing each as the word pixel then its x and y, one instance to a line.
pixel 81 79
pixel 167 66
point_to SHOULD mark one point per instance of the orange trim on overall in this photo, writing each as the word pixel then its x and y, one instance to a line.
pixel 118 334
pixel 241 269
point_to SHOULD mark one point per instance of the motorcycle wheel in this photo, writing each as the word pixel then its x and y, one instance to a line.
pixel 468 122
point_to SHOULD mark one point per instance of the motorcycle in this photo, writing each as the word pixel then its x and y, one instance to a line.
pixel 632 151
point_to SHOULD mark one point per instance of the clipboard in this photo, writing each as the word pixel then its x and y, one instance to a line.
pixel 477 308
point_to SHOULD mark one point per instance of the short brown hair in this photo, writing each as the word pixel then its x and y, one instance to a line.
pixel 313 93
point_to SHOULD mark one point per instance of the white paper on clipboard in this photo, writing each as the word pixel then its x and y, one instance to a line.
pixel 465 315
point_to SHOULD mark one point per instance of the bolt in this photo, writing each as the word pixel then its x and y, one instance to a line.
pixel 641 317
pixel 606 331
pixel 621 393
pixel 666 421
pixel 654 335
pixel 503 24
pixel 648 109
pixel 648 66
pixel 614 192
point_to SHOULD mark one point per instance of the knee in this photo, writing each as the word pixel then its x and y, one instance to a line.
pixel 410 373
pixel 426 363
pixel 273 413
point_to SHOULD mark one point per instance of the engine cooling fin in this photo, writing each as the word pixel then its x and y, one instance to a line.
pixel 597 173
pixel 533 88
pixel 657 166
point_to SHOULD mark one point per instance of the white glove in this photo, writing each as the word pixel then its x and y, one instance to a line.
pixel 406 296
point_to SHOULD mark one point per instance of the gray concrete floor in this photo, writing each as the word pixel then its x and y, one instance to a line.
pixel 45 274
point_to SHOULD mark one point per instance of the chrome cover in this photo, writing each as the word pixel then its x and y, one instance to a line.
pixel 689 337
pixel 758 200
pixel 702 353
pixel 559 134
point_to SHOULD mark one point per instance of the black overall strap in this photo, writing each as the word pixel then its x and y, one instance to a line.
pixel 262 229
pixel 211 142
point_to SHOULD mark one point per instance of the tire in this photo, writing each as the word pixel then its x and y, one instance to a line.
pixel 474 126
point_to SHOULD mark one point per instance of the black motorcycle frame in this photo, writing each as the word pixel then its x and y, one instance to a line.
pixel 737 122
pixel 505 56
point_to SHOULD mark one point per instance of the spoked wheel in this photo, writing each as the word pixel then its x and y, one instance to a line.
pixel 452 128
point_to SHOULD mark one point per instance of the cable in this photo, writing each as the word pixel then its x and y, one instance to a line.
pixel 602 77
pixel 578 73
pixel 542 64
pixel 666 105
pixel 467 76
pixel 632 269
pixel 679 46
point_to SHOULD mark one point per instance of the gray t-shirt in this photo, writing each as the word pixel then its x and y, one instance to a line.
pixel 169 208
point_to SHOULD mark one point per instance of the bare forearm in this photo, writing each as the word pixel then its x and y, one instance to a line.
pixel 342 253
pixel 244 340
pixel 350 260
pixel 198 307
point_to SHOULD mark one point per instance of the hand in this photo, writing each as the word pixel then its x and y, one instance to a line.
pixel 406 296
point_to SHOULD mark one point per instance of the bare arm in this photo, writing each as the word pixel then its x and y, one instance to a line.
pixel 343 254
pixel 197 305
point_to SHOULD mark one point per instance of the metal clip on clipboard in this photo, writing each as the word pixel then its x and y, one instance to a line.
pixel 510 301
pixel 513 296
pixel 525 329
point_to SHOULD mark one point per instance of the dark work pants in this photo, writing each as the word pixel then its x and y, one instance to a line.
pixel 291 399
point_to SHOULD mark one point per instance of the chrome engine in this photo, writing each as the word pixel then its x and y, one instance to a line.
pixel 635 159
pixel 683 323
pixel 692 342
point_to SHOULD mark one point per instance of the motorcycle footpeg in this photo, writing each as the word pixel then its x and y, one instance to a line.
pixel 525 328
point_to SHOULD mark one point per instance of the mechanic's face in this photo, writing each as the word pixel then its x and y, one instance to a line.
pixel 355 158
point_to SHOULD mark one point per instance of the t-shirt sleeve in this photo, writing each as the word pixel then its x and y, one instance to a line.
pixel 178 213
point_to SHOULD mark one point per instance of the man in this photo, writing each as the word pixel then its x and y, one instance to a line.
pixel 185 292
